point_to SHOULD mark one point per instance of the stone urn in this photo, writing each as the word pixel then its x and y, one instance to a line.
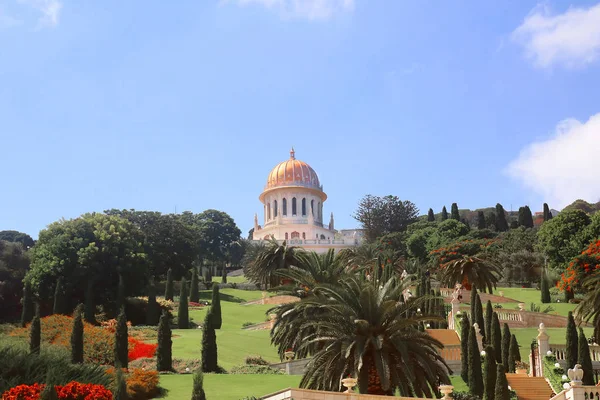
pixel 446 390
pixel 501 293
pixel 289 355
pixel 521 306
pixel 349 383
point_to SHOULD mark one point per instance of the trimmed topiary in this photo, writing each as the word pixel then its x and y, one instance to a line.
pixel 194 295
pixel 169 286
pixel 121 343
pixel 183 315
pixel 35 333
pixel 198 388
pixel 489 374
pixel 475 375
pixel 585 360
pixel 465 328
pixel 153 309
pixel 27 302
pixel 216 307
pixel 496 337
pixel 572 347
pixel 209 344
pixel 501 391
pixel 164 355
pixel 77 336
pixel 505 344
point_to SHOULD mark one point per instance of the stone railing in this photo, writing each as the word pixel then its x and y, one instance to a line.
pixel 560 352
pixel 525 319
pixel 451 353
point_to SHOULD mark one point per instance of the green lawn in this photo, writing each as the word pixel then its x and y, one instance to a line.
pixel 227 387
pixel 458 383
pixel 529 296
pixel 231 279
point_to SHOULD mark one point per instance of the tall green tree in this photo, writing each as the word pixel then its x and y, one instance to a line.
pixel 479 318
pixel 209 345
pixel 506 335
pixel 183 315
pixel 27 313
pixel 572 348
pixel 475 375
pixel 169 290
pixel 430 216
pixel 382 215
pixel 164 353
pixel 489 310
pixel 472 304
pixel 153 310
pixel 90 304
pixel 514 354
pixel 121 292
pixel 547 213
pixel 215 308
pixel 501 223
pixel 490 221
pixel 120 388
pixel 121 341
pixel 585 360
pixel 269 258
pixel 77 336
pixel 17 237
pixel 525 218
pixel 501 392
pixel 35 333
pixel 545 287
pixel 60 301
pixel 489 373
pixel 194 295
pixel 224 274
pixel 496 337
pixel 444 213
pixel 14 264
pixel 481 224
pixel 198 388
pixel 454 214
pixel 465 328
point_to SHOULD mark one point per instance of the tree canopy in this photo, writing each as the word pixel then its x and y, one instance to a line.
pixel 382 215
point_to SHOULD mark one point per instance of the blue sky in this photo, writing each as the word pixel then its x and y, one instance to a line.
pixel 160 106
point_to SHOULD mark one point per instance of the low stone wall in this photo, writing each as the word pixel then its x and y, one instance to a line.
pixel 275 300
pixel 527 319
pixel 305 394
pixel 295 367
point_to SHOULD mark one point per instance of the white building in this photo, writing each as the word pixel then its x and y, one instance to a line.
pixel 293 210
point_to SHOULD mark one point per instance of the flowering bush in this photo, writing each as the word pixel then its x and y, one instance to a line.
pixel 460 249
pixel 580 267
pixel 111 325
pixel 24 392
pixel 139 349
pixel 70 391
pixel 141 384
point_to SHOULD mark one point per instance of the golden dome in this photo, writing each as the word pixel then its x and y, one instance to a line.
pixel 293 172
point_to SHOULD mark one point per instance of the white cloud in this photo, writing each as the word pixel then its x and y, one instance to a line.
pixel 309 9
pixel 564 167
pixel 571 39
pixel 50 10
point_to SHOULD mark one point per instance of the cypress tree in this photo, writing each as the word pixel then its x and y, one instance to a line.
pixel 454 214
pixel 209 344
pixel 572 345
pixel 35 332
pixel 513 353
pixel 547 213
pixel 152 313
pixel 505 343
pixel 585 360
pixel 430 216
pixel 481 220
pixel 489 374
pixel 444 213
pixel 544 286
pixel 164 353
pixel 475 376
pixel 489 310
pixel 77 336
pixel 169 286
pixel 472 303
pixel 224 275
pixel 90 306
pixel 27 301
pixel 121 344
pixel 491 221
pixel 194 295
pixel 501 223
pixel 528 219
pixel 215 308
pixel 59 298
pixel 120 389
pixel 496 337
pixel 501 392
pixel 183 315
pixel 198 389
pixel 121 292
pixel 479 315
pixel 465 328
pixel 466 223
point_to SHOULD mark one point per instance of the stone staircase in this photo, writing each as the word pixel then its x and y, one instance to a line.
pixel 530 387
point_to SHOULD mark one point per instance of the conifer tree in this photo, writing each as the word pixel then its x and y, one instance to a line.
pixel 430 216
pixel 194 295
pixel 501 223
pixel 491 221
pixel 489 310
pixel 489 374
pixel 466 223
pixel 479 318
pixel 547 213
pixel 198 388
pixel 444 213
pixel 59 298
pixel 120 388
pixel 183 315
pixel 472 302
pixel 572 348
pixel 90 305
pixel 475 375
pixel 152 313
pixel 215 307
pixel 514 354
pixel 525 218
pixel 465 328
pixel 501 392
pixel 454 214
pixel 585 360
pixel 121 343
pixel 169 286
pixel 35 332
pixel 77 336
pixel 209 344
pixel 496 337
pixel 27 301
pixel 164 353
pixel 224 275
pixel 544 286
pixel 506 335
pixel 481 220
pixel 121 292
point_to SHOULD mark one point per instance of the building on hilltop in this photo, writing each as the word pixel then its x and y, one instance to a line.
pixel 293 210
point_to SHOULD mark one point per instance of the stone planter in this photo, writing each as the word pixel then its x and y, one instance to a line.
pixel 521 371
pixel 349 383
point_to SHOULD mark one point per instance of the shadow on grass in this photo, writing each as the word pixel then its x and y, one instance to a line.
pixel 206 295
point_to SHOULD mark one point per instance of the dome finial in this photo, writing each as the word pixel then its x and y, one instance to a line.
pixel 292 153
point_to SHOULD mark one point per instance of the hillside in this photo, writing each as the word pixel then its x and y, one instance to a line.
pixel 583 205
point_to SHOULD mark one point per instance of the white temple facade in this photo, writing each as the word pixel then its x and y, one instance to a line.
pixel 293 210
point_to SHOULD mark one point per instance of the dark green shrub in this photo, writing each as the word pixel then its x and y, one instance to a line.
pixel 216 308
pixel 77 336
pixel 183 315
pixel 120 386
pixel 585 360
pixel 194 295
pixel 489 373
pixel 152 308
pixel 506 335
pixel 465 328
pixel 35 333
pixel 475 375
pixel 501 390
pixel 121 343
pixel 164 357
pixel 572 348
pixel 169 286
pixel 27 312
pixel 198 388
pixel 209 345
pixel 60 301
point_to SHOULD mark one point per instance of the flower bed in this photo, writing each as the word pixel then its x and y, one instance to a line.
pixel 70 391
pixel 553 373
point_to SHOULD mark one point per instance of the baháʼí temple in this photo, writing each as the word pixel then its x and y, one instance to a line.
pixel 293 210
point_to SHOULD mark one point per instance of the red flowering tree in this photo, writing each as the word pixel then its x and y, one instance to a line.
pixel 582 266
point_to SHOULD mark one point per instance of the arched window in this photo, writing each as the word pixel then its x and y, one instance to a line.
pixel 294 206
pixel 303 235
pixel 268 210
pixel 295 235
pixel 284 207
pixel 304 207
pixel 275 208
pixel 286 236
pixel 322 237
pixel 312 207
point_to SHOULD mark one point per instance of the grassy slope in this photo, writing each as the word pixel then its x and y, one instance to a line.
pixel 529 296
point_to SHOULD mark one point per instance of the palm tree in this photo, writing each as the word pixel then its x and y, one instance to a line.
pixel 269 258
pixel 470 271
pixel 360 328
pixel 589 308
